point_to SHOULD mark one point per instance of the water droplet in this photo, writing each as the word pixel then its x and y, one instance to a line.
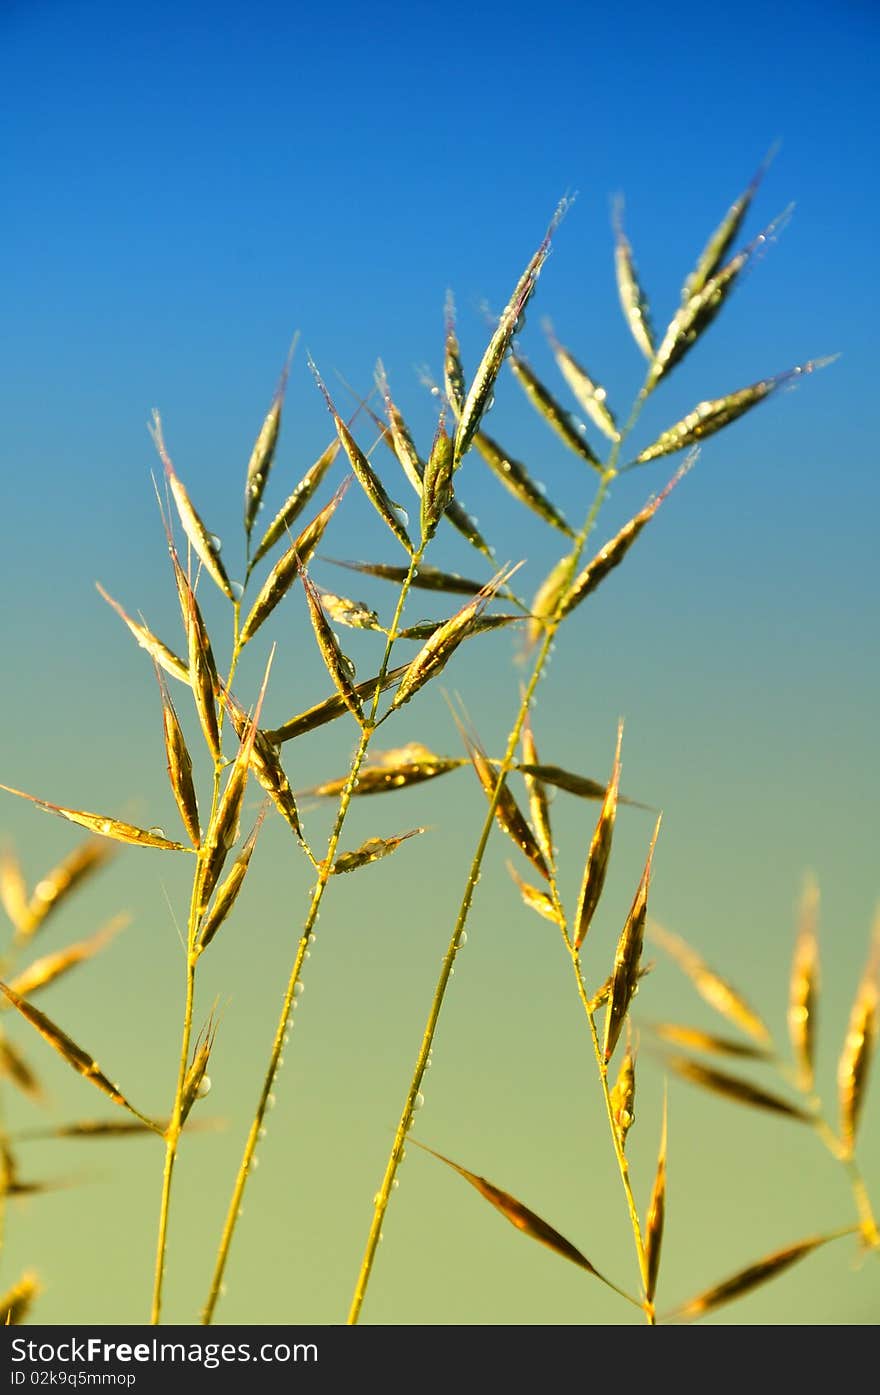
pixel 381 1236
pixel 203 1087
pixel 237 589
pixel 419 1101
pixel 312 939
pixel 462 939
pixel 298 989
pixel 156 831
pixel 395 1184
pixel 222 1291
pixel 255 1162
pixel 280 1062
pixel 215 542
pixel 307 954
pixel 490 402
pixel 261 1132
pixel 270 1101
pixel 400 514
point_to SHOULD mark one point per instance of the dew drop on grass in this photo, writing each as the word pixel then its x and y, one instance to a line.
pixel 270 1101
pixel 298 989
pixel 216 543
pixel 261 1132
pixel 204 1087
pixel 395 1184
pixel 418 1102
pixel 156 831
pixel 400 514
pixel 237 589
pixel 462 939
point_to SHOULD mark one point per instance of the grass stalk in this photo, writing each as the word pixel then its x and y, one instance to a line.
pixel 395 1157
pixel 324 872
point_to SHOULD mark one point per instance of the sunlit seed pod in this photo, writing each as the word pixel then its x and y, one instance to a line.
pixel 625 974
pixel 599 853
pixel 263 453
pixel 712 416
pixel 517 480
pixel 106 827
pixel 567 427
pixel 163 656
pixel 364 472
pixel 372 851
pixel 339 666
pixel 751 1277
pixel 804 988
pixel 590 396
pixel 297 501
pixel 286 570
pixel 202 541
pixel 632 297
pixel 735 1088
pixel 331 708
pixel 720 242
pixel 481 388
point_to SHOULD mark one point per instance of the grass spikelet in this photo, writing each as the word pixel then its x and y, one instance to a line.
pixel 520 1216
pixel 804 988
pixel 202 668
pixel 623 1096
pixel 437 489
pixel 81 1061
pixel 17 1301
pixel 56 885
pixel 295 503
pixel 371 851
pixel 286 569
pixel 656 1217
pixel 603 994
pixel 338 665
pixel 15 1068
pixel 591 398
pixel 723 237
pixel 205 544
pixel 599 853
pixel 331 708
pixel 632 298
pixel 567 427
pixel 91 1128
pixel 197 1082
pixel 355 614
pixel 547 599
pixel 855 1059
pixel 412 764
pixel 165 657
pixel 426 578
pixel 625 974
pixel 695 316
pixel 479 395
pixel 517 480
pixel 751 1277
pixel 14 893
pixel 401 440
pixel 263 452
pixel 453 372
pixel 424 629
pixel 734 1088
pixel 696 1039
pixel 366 476
pixel 534 897
pixel 508 814
pixel 179 765
pixel 106 827
pixel 579 785
pixel 267 768
pixel 709 417
pixel 613 553
pixel 223 830
pixel 227 893
pixel 539 803
pixel 716 991
pixel 438 650
pixel 49 967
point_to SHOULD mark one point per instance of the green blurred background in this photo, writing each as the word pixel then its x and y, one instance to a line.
pixel 190 188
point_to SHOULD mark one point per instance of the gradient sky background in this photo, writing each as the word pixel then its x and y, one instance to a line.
pixel 186 186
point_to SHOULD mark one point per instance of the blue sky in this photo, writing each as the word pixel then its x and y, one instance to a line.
pixel 189 184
